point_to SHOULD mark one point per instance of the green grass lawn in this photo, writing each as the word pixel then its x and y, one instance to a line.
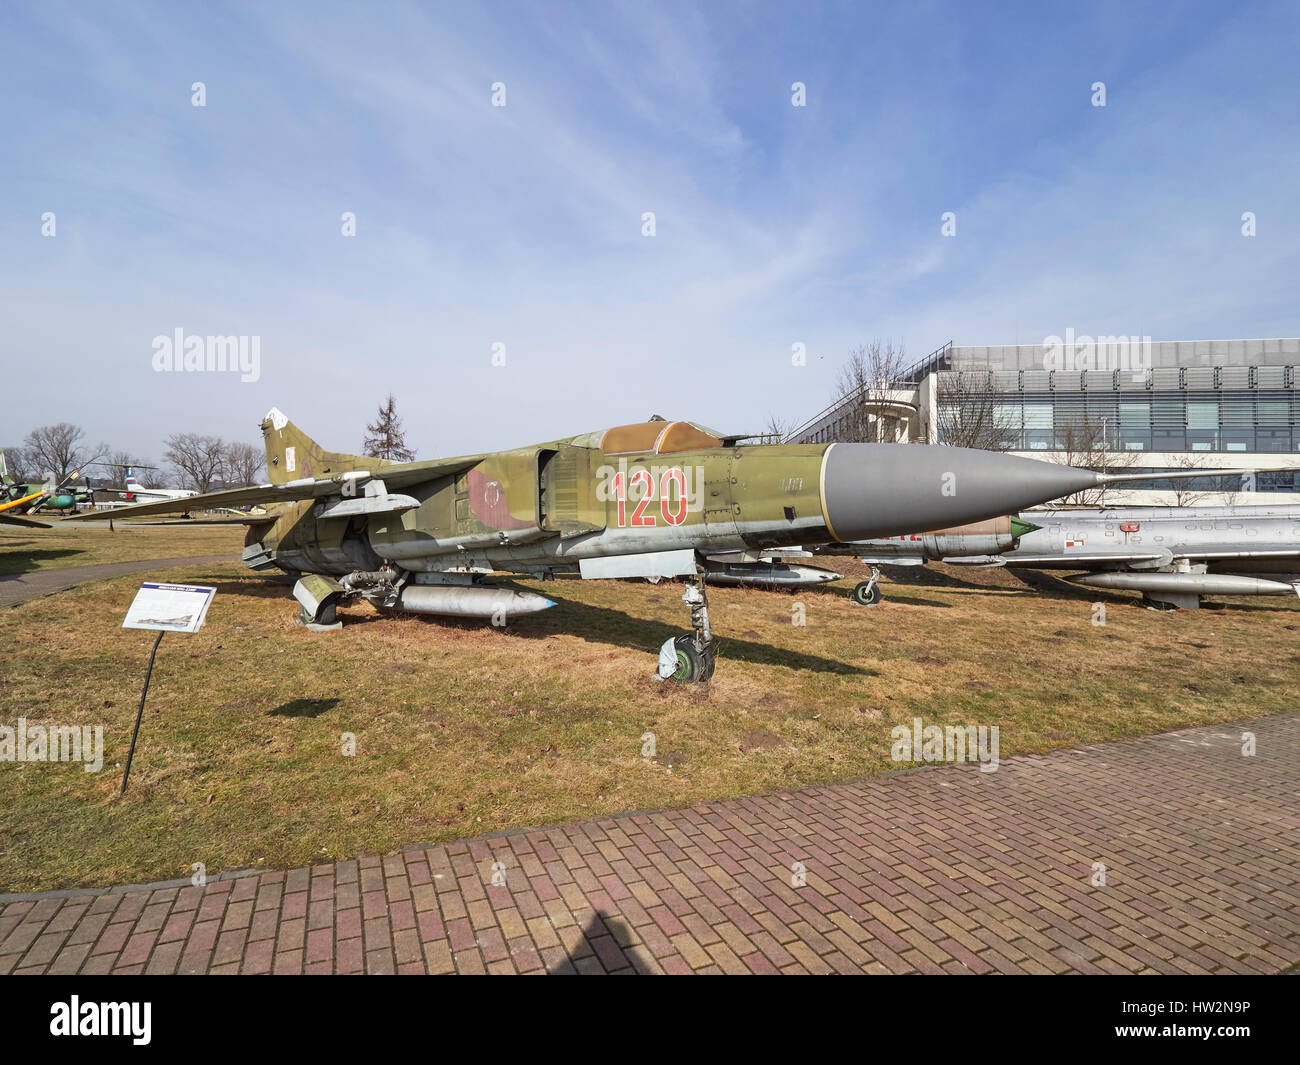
pixel 463 729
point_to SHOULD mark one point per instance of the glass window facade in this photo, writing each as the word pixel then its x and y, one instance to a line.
pixel 1282 481
pixel 1169 396
pixel 1227 420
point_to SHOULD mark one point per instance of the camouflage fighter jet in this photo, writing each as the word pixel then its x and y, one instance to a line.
pixel 653 499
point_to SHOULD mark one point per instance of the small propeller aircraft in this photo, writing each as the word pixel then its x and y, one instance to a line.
pixel 17 498
pixel 653 499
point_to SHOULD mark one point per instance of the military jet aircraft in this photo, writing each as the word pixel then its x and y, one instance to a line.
pixel 973 543
pixel 652 499
pixel 1172 555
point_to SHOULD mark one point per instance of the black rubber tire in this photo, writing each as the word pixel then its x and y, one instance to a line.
pixel 867 594
pixel 692 666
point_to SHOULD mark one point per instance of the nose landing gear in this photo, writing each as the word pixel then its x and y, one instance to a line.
pixel 868 593
pixel 688 659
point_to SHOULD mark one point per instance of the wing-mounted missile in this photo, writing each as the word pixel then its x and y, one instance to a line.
pixel 768 573
pixel 991 537
pixel 374 498
pixel 1184 590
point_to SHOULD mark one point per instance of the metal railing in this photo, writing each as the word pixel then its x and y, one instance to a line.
pixel 938 361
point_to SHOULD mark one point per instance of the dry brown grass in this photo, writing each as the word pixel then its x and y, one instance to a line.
pixel 88 544
pixel 464 729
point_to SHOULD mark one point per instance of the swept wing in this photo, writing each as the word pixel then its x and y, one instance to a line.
pixel 395 476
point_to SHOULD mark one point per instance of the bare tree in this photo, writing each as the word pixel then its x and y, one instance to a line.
pixel 244 464
pixel 776 430
pixel 385 438
pixel 1085 442
pixel 116 464
pixel 59 449
pixel 152 477
pixel 968 414
pixel 199 459
pixel 1187 492
pixel 865 407
pixel 18 465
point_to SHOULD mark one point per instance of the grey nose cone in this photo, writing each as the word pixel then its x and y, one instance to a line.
pixel 888 489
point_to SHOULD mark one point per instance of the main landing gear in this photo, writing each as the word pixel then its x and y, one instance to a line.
pixel 688 659
pixel 868 593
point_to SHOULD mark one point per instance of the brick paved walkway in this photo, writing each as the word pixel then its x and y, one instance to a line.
pixel 939 870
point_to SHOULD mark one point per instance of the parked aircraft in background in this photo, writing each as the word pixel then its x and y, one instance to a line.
pixel 995 541
pixel 137 493
pixel 112 497
pixel 30 498
pixel 1172 555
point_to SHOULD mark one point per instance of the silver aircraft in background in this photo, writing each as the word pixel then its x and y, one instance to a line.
pixel 1172 555
pixel 785 567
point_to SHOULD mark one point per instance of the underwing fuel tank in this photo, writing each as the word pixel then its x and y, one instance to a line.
pixel 767 574
pixel 992 537
pixel 1185 583
pixel 470 602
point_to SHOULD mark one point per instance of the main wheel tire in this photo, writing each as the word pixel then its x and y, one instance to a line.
pixel 868 593
pixel 693 666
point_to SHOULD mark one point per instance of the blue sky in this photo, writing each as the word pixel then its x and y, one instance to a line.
pixel 521 225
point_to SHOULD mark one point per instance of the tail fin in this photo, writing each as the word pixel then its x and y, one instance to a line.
pixel 131 481
pixel 4 469
pixel 292 455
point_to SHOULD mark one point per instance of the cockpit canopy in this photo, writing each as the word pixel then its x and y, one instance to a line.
pixel 661 437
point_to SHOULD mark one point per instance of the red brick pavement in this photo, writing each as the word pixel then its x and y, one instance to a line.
pixel 938 870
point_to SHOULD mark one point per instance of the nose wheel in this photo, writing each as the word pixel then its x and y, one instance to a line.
pixel 868 593
pixel 688 659
pixel 688 663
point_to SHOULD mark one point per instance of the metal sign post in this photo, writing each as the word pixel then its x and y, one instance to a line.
pixel 163 608
pixel 140 713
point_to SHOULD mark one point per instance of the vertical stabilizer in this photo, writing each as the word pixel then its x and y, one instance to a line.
pixel 291 455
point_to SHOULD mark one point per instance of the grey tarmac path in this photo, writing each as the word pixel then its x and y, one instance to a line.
pixel 1175 853
pixel 21 587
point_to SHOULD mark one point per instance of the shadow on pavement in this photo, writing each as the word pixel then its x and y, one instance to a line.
pixel 600 952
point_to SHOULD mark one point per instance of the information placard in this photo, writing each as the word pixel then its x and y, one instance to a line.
pixel 169 607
